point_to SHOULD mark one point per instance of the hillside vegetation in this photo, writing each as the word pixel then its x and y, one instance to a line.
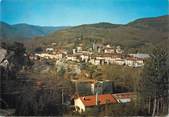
pixel 141 33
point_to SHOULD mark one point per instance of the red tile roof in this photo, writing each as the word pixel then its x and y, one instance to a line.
pixel 103 99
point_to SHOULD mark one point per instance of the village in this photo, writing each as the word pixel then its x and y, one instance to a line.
pixel 100 80
pixel 89 93
pixel 84 58
pixel 99 54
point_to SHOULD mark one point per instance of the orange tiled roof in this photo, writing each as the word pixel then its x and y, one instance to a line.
pixel 103 99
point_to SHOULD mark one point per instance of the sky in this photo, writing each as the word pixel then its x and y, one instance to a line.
pixel 76 12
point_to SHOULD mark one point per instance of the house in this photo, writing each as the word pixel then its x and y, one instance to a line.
pixel 49 49
pixel 3 53
pixel 3 61
pixel 85 103
pixel 79 48
pixel 95 61
pixel 140 55
pixel 134 62
pixel 74 51
pixel 72 58
pixel 97 47
pixel 58 55
pixel 84 57
pixel 86 52
pixel 49 56
pixel 108 46
pixel 124 97
pixel 63 51
pixel 130 61
pixel 120 62
pixel 116 59
pixel 106 58
pixel 119 50
pixel 109 50
pixel 99 61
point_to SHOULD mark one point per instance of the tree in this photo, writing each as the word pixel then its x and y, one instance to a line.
pixel 9 75
pixel 41 101
pixel 124 78
pixel 91 69
pixel 44 97
pixel 154 82
pixel 16 56
pixel 61 72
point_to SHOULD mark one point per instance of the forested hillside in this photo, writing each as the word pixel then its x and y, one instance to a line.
pixel 141 33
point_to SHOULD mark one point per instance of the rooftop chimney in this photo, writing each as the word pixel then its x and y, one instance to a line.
pixel 96 98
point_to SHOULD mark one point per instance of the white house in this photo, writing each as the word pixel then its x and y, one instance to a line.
pixel 74 51
pixel 109 50
pixel 108 46
pixel 119 50
pixel 134 62
pixel 140 55
pixel 84 103
pixel 49 49
pixel 4 63
pixel 79 48
pixel 49 56
pixel 119 61
pixel 3 53
pixel 98 61
pixel 84 57
pixel 72 58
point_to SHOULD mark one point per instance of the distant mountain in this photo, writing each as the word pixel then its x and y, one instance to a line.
pixel 24 31
pixel 102 25
pixel 141 33
pixel 158 23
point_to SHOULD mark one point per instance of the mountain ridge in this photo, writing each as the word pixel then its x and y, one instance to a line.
pixel 140 33
pixel 25 31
